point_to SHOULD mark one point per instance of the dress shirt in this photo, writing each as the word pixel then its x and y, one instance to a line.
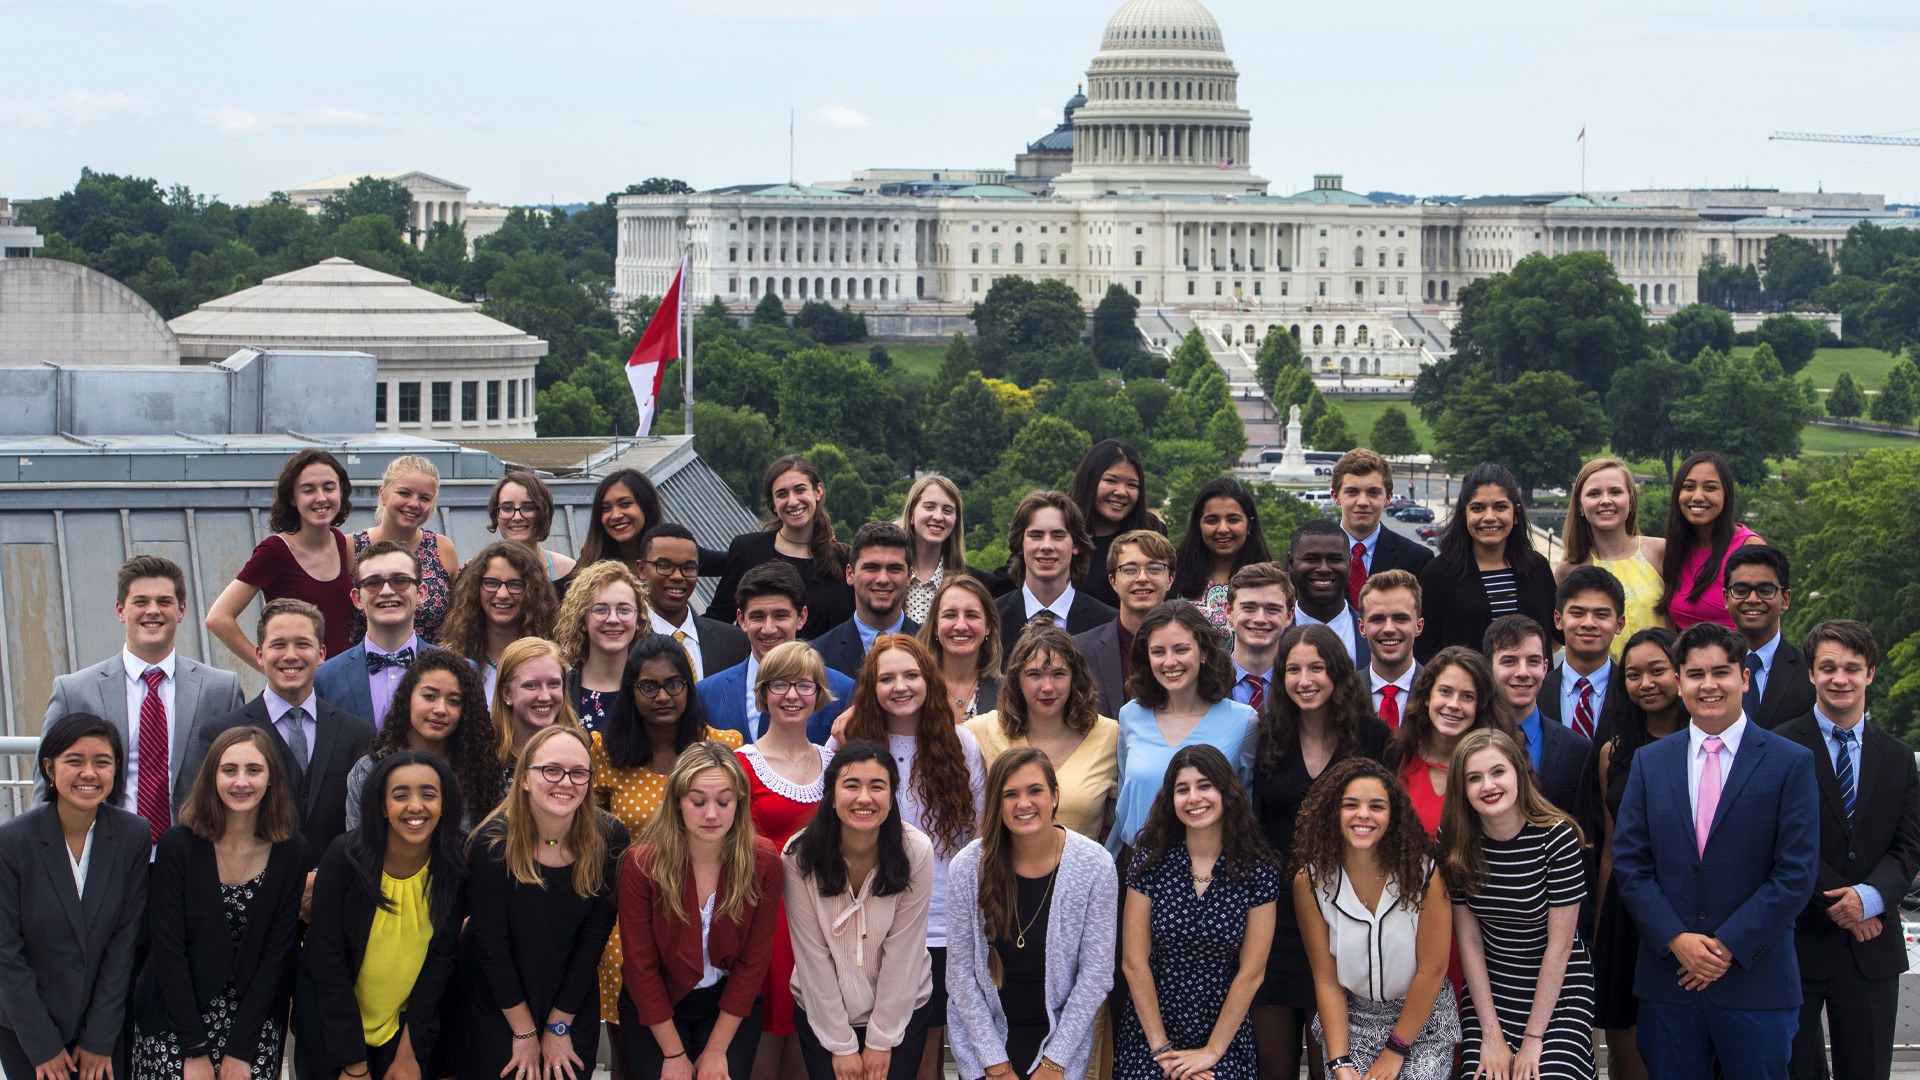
pixel 1765 653
pixel 1696 759
pixel 1530 728
pixel 1371 542
pixel 137 694
pixel 1570 690
pixel 277 707
pixel 82 864
pixel 754 714
pixel 1060 607
pixel 690 632
pixel 1243 693
pixel 381 684
pixel 1404 682
pixel 1341 624
pixel 1871 902
pixel 868 633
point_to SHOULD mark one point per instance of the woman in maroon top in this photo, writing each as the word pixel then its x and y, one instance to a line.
pixel 306 558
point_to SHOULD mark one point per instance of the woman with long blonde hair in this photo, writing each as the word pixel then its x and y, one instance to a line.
pixel 404 505
pixel 530 695
pixel 936 533
pixel 540 896
pixel 599 619
pixel 1603 529
pixel 699 900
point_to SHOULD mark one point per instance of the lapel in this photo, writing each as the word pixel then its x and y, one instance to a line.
pixel 113 694
pixel 257 715
pixel 325 734
pixel 1786 666
pixel 1549 700
pixel 1362 656
pixel 103 870
pixel 1824 775
pixel 187 679
pixel 1677 757
pixel 1874 769
pixel 53 853
pixel 1753 747
pixel 360 688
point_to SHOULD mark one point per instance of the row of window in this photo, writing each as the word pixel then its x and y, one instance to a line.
pixel 518 397
pixel 832 253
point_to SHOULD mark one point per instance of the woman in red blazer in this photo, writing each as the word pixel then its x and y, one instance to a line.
pixel 699 898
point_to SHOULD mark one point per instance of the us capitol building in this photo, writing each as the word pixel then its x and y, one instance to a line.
pixel 1158 194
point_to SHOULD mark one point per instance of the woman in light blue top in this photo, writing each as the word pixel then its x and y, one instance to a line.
pixel 1030 932
pixel 1181 682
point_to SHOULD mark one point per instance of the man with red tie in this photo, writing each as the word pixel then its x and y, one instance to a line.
pixel 1589 610
pixel 1390 622
pixel 1259 611
pixel 1362 484
pixel 149 691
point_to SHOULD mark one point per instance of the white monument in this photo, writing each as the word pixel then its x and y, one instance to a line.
pixel 1293 467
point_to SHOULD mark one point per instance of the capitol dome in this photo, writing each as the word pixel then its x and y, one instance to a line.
pixel 1162 24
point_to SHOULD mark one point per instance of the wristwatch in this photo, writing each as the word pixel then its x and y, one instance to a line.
pixel 559 1027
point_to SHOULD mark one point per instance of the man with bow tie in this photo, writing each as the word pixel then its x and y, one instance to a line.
pixel 386 589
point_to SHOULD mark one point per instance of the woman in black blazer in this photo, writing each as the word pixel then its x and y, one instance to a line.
pixel 1486 568
pixel 387 904
pixel 799 531
pixel 223 917
pixel 73 885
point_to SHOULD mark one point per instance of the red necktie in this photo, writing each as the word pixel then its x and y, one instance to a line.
pixel 1357 574
pixel 152 801
pixel 1389 709
pixel 1258 698
pixel 1583 711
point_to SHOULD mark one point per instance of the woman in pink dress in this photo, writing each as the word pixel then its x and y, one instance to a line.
pixel 1702 527
pixel 785 775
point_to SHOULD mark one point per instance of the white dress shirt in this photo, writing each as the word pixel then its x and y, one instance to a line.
pixel 692 633
pixel 136 695
pixel 81 864
pixel 1060 606
pixel 1405 682
pixel 1697 758
pixel 1341 624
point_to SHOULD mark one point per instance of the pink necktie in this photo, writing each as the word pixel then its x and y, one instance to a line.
pixel 1709 791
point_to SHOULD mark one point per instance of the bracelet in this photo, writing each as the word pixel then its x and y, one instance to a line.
pixel 521 1036
pixel 369 1069
pixel 1398 1045
pixel 1525 1035
pixel 670 1057
pixel 1161 1049
pixel 1344 1061
pixel 1048 1063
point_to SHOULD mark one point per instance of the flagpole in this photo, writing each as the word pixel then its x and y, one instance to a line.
pixel 686 341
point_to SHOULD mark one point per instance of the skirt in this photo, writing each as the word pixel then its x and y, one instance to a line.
pixel 1370 1021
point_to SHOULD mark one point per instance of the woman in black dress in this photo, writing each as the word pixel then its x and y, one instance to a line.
pixel 1109 487
pixel 1652 711
pixel 1319 715
pixel 800 531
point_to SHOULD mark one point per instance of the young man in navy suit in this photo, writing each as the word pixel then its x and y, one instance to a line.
pixel 1050 551
pixel 1585 691
pixel 1317 562
pixel 1715 850
pixel 1516 646
pixel 1362 484
pixel 770 605
pixel 386 589
pixel 877 573
pixel 1259 611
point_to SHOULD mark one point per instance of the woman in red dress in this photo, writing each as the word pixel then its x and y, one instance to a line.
pixel 785 779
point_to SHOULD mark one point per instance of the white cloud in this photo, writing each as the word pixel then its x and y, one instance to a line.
pixel 335 116
pixel 235 121
pixel 74 109
pixel 232 120
pixel 839 116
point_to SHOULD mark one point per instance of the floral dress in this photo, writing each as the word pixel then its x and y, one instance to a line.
pixel 436 588
pixel 161 1056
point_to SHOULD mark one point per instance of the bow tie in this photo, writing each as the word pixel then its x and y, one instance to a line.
pixel 379 662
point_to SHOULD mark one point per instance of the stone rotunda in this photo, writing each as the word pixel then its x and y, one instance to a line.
pixel 1162 115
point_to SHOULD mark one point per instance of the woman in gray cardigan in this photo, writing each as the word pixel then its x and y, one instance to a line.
pixel 1031 910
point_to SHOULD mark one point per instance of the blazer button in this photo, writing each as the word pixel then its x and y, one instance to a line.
pixel 1703 915
pixel 1850 856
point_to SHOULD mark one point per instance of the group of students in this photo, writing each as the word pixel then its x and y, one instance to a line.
pixel 1119 808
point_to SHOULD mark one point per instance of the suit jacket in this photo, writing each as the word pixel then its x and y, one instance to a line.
pixel 342 683
pixel 1086 614
pixel 330 959
pixel 1362 656
pixel 199 692
pixel 1613 698
pixel 1569 773
pixel 1789 690
pixel 723 697
pixel 1880 847
pixel 66 960
pixel 1456 608
pixel 1396 552
pixel 840 646
pixel 667 961
pixel 1101 647
pixel 193 956
pixel 722 645
pixel 1748 887
pixel 320 791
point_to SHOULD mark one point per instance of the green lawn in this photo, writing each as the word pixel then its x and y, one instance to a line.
pixel 907 356
pixel 1869 366
pixel 1816 440
pixel 1362 410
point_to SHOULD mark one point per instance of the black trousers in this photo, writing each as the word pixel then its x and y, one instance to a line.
pixel 1860 1018
pixel 904 1065
pixel 694 1017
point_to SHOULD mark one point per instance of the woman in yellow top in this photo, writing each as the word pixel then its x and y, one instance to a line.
pixel 387 904
pixel 655 717
pixel 1603 530
pixel 1048 701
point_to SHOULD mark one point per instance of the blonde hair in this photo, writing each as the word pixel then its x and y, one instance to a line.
pixel 570 625
pixel 399 467
pixel 792 660
pixel 511 660
pixel 521 840
pixel 1576 534
pixel 663 852
pixel 953 551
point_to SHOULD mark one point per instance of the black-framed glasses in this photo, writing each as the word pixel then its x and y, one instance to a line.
pixel 668 568
pixel 399 583
pixel 556 774
pixel 803 687
pixel 649 688
pixel 1765 591
pixel 525 510
pixel 514 586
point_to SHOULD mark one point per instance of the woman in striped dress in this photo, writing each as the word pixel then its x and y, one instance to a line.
pixel 1513 863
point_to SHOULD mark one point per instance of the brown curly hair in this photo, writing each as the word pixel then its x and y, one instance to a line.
pixel 470 747
pixel 1040 644
pixel 1349 702
pixel 1416 722
pixel 940 775
pixel 465 629
pixel 1243 844
pixel 1216 666
pixel 570 624
pixel 1404 850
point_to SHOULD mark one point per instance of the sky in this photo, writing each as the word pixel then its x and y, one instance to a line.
pixel 534 102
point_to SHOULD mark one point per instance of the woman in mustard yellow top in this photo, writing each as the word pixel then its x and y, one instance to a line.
pixel 1048 701
pixel 1603 529
pixel 387 903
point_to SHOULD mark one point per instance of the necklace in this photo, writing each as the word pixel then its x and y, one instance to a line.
pixel 1020 937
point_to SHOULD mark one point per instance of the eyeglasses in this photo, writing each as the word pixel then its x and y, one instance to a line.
pixel 668 568
pixel 525 510
pixel 648 688
pixel 555 774
pixel 1128 571
pixel 399 583
pixel 516 586
pixel 602 611
pixel 803 687
pixel 1742 590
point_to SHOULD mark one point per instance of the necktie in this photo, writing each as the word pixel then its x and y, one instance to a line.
pixel 379 662
pixel 1258 696
pixel 1843 769
pixel 1390 708
pixel 296 735
pixel 1583 710
pixel 1043 617
pixel 1709 791
pixel 152 800
pixel 1357 574
pixel 1750 701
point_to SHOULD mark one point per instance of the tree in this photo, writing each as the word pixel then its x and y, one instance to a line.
pixel 954 366
pixel 1641 405
pixel 1281 514
pixel 1208 391
pixel 1870 250
pixel 1189 357
pixel 569 411
pixel 1541 426
pixel 1228 434
pixel 1569 313
pixel 1176 471
pixel 829 325
pixel 369 195
pixel 1291 386
pixel 1103 411
pixel 1793 340
pixel 659 185
pixel 1891 320
pixel 1696 327
pixel 606 379
pixel 1731 288
pixel 880 359
pixel 1747 409
pixel 1150 399
pixel 1331 432
pixel 1393 434
pixel 1794 269
pixel 1845 401
pixel 967 432
pixel 1019 316
pixel 849 496
pixel 1070 364
pixel 770 311
pixel 1278 351
pixel 1899 396
pixel 1116 338
pixel 1045 453
pixel 736 443
pixel 825 396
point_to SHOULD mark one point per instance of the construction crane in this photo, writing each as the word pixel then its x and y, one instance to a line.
pixel 1864 140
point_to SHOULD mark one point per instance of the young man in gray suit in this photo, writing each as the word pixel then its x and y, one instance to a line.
pixel 148 690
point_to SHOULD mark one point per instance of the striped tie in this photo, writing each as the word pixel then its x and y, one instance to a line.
pixel 1843 769
pixel 152 800
pixel 1583 709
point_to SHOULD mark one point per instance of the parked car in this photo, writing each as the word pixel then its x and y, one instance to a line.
pixel 1429 533
pixel 1414 514
pixel 1399 503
